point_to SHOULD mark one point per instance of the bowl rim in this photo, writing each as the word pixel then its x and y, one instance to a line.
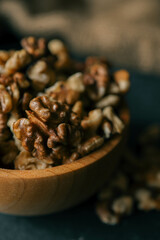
pixel 75 166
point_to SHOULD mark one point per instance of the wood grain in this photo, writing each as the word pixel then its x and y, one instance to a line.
pixel 37 192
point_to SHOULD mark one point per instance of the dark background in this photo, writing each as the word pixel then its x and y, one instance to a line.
pixel 81 222
pixel 126 31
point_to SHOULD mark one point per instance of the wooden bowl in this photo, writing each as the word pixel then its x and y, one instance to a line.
pixel 37 192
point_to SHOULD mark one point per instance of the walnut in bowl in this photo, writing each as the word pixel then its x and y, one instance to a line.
pixel 64 122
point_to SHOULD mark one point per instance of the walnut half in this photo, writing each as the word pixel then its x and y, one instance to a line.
pixel 52 131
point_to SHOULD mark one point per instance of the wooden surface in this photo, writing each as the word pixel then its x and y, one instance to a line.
pixel 36 192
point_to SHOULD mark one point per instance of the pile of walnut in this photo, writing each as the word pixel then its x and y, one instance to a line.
pixel 136 183
pixel 54 110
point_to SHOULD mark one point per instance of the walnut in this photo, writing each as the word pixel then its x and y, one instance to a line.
pixel 51 131
pixel 123 205
pixel 78 108
pixel 75 82
pixel 5 100
pixel 93 121
pixel 145 200
pixel 26 98
pixel 113 88
pixel 15 94
pixel 67 91
pixel 148 205
pixel 6 80
pixel 35 47
pixel 96 80
pixel 12 119
pixel 25 161
pixel 4 131
pixel 9 97
pixel 107 129
pixel 4 56
pixel 117 123
pixel 90 145
pixel 110 100
pixel 93 60
pixel 58 48
pixel 21 80
pixel 18 78
pixel 50 110
pixel 8 151
pixel 142 194
pixel 41 75
pixel 106 215
pixel 17 61
pixel 121 77
pixel 72 158
pixel 60 92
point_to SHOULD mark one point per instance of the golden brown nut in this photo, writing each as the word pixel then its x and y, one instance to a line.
pixel 106 215
pixel 17 61
pixel 26 98
pixel 35 47
pixel 109 100
pixel 93 121
pixel 114 88
pixel 96 79
pixel 121 77
pixel 15 93
pixel 123 205
pixel 4 56
pixel 90 145
pixel 5 100
pixel 4 131
pixel 66 96
pixel 12 119
pixel 58 48
pixel 62 93
pixel 5 80
pixel 67 91
pixel 72 158
pixel 41 75
pixel 107 129
pixel 117 123
pixel 21 80
pixel 10 94
pixel 25 161
pixel 78 108
pixel 55 46
pixel 51 131
pixel 75 82
pixel 145 200
pixel 8 151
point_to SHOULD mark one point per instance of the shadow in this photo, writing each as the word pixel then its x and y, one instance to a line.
pixel 8 38
pixel 56 5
